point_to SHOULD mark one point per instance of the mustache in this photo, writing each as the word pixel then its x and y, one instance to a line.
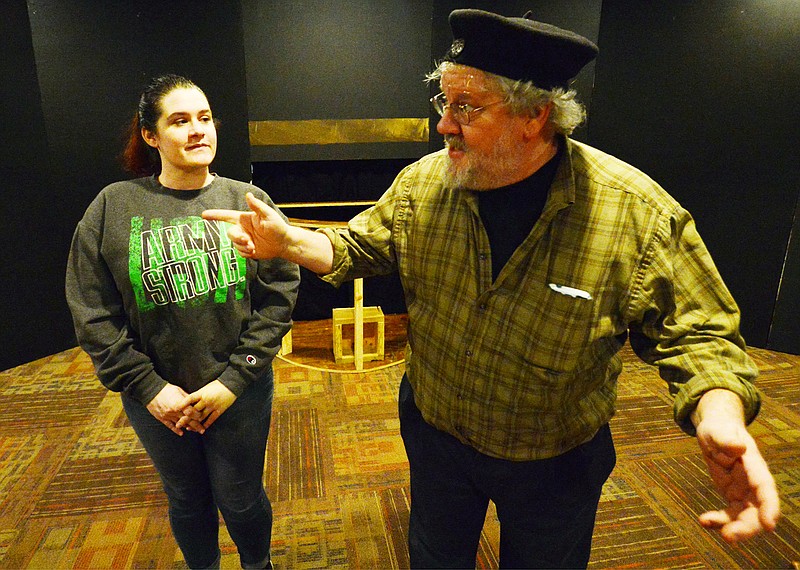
pixel 455 142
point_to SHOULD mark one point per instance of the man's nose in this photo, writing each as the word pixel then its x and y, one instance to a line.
pixel 448 125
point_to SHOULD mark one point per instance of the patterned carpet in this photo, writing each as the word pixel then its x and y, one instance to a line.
pixel 77 490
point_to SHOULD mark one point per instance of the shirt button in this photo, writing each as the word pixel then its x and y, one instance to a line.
pixel 469 352
pixel 460 396
pixel 482 307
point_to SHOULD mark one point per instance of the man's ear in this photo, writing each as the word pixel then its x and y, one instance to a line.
pixel 537 124
pixel 149 138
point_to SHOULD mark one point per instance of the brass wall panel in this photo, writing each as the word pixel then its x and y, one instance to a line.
pixel 347 131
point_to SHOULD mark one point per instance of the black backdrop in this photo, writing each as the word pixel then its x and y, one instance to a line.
pixel 32 306
pixel 701 94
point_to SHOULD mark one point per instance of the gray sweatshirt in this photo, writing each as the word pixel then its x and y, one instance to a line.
pixel 158 295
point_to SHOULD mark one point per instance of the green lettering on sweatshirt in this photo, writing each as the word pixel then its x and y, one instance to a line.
pixel 183 262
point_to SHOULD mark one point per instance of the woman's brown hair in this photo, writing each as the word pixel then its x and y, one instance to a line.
pixel 138 157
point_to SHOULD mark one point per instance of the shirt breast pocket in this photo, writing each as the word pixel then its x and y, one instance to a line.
pixel 561 329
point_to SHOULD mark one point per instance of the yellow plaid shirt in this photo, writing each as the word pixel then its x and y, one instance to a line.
pixel 526 367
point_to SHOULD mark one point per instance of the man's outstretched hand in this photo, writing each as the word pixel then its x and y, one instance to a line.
pixel 260 233
pixel 738 470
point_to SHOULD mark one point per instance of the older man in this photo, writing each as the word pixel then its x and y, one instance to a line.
pixel 527 260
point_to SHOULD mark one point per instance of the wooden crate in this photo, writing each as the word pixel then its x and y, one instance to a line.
pixel 344 335
pixel 286 343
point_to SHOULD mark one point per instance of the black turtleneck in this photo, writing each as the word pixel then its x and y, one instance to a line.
pixel 509 213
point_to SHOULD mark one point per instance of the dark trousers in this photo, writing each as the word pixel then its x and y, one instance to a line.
pixel 546 507
pixel 221 469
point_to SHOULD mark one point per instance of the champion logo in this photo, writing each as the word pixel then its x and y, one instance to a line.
pixel 251 359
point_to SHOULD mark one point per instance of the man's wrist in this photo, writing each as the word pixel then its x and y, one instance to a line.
pixel 719 404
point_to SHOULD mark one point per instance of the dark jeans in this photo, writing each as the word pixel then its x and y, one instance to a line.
pixel 222 468
pixel 546 508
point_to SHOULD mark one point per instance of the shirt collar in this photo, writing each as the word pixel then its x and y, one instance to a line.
pixel 562 191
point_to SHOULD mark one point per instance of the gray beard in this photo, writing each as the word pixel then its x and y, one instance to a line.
pixel 486 175
pixel 470 178
pixel 454 179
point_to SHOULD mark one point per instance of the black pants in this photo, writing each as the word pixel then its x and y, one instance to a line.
pixel 546 508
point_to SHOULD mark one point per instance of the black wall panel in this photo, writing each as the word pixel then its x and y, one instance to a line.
pixel 784 334
pixel 349 59
pixel 702 95
pixel 94 58
pixel 31 303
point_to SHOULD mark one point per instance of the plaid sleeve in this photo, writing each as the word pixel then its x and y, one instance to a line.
pixel 686 322
pixel 366 247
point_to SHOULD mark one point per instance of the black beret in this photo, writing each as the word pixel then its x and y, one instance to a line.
pixel 518 48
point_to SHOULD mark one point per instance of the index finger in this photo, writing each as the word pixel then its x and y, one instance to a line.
pixel 189 400
pixel 192 413
pixel 230 216
pixel 191 425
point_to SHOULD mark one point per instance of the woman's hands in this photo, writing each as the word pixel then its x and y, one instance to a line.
pixel 180 411
pixel 168 407
pixel 203 407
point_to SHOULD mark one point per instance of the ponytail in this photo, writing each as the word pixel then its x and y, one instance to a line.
pixel 138 157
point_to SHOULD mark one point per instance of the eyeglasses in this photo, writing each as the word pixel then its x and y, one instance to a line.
pixel 462 112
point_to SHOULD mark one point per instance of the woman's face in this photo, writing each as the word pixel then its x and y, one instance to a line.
pixel 185 136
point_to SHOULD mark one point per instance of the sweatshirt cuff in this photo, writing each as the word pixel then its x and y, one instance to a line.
pixel 233 381
pixel 147 388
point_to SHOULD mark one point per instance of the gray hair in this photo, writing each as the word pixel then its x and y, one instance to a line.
pixel 524 98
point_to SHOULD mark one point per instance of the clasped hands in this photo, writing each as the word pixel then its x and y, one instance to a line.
pixel 180 411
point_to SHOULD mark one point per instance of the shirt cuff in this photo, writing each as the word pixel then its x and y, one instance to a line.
pixel 341 260
pixel 689 395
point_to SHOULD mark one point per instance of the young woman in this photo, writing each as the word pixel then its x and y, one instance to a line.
pixel 183 326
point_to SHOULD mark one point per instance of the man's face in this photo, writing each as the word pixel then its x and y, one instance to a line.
pixel 483 155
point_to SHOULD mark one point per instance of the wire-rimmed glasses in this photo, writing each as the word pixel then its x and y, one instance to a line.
pixel 462 112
